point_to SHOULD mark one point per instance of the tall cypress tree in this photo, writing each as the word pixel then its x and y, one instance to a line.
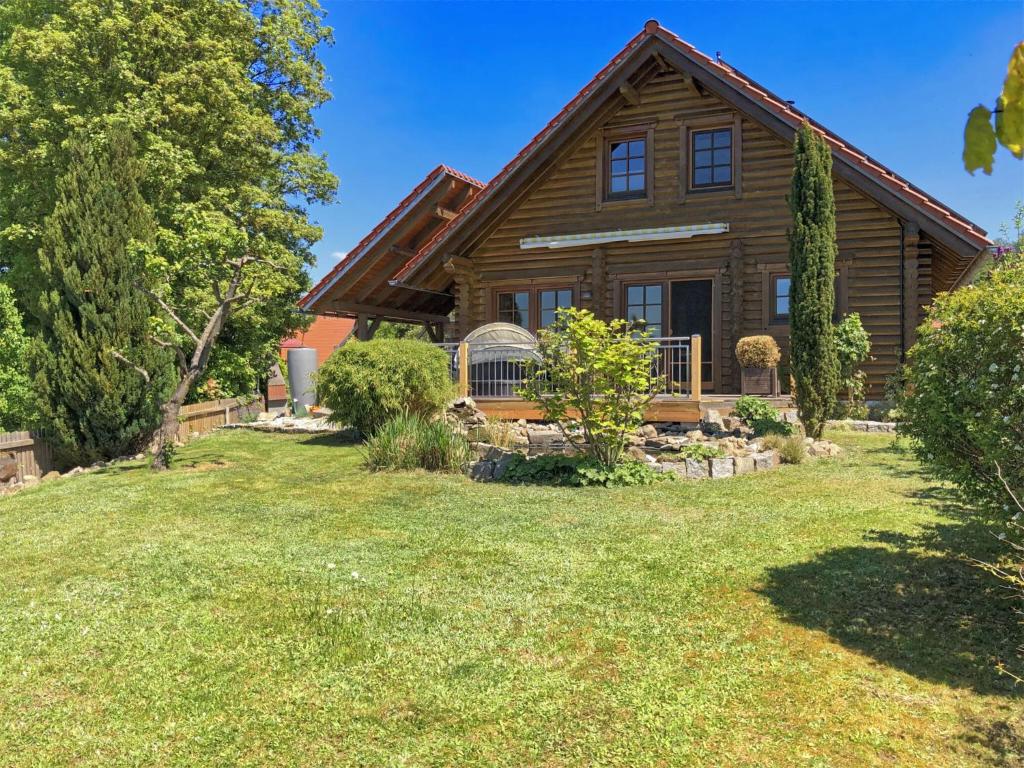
pixel 99 379
pixel 812 265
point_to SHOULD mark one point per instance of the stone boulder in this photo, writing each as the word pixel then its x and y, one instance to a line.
pixel 712 422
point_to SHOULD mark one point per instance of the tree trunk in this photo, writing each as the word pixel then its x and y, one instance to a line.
pixel 167 435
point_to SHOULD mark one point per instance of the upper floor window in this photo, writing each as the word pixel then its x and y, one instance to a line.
pixel 627 168
pixel 711 152
pixel 780 298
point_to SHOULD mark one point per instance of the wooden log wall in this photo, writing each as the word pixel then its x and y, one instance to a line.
pixel 565 200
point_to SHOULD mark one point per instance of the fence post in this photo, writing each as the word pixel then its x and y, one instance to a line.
pixel 695 367
pixel 463 369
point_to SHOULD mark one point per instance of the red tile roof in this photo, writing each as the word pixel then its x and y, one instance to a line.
pixel 431 178
pixel 787 112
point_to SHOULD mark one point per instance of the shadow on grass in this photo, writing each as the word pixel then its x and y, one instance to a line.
pixel 918 603
pixel 338 439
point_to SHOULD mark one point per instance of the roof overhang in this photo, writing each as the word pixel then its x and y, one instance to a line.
pixel 649 234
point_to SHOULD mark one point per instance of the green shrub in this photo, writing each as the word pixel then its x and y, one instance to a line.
pixel 579 471
pixel 761 416
pixel 758 352
pixel 411 441
pixel 366 383
pixel 595 379
pixel 791 449
pixel 853 347
pixel 964 397
pixel 700 451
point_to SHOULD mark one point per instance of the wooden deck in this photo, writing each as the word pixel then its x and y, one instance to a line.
pixel 662 408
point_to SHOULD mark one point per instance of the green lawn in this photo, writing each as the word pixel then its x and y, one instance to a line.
pixel 819 615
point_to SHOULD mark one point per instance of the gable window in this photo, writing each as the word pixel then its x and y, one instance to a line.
pixel 551 300
pixel 644 307
pixel 514 307
pixel 711 158
pixel 627 168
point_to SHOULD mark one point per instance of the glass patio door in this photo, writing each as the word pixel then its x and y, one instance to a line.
pixel 690 309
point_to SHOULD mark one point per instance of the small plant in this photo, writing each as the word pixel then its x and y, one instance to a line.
pixel 366 383
pixel 701 452
pixel 410 441
pixel 579 471
pixel 761 416
pixel 593 378
pixel 498 432
pixel 758 352
pixel 791 448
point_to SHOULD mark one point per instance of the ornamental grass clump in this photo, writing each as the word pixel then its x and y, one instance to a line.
pixel 410 441
pixel 758 352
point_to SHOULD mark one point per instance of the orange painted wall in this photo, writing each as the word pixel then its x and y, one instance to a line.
pixel 324 335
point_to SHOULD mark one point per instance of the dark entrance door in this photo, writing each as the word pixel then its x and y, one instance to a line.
pixel 690 307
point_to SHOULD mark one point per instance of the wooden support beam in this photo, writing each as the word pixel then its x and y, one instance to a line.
pixel 454 264
pixel 372 329
pixel 387 313
pixel 463 369
pixel 663 66
pixel 362 329
pixel 630 94
pixel 405 253
pixel 445 213
pixel 695 367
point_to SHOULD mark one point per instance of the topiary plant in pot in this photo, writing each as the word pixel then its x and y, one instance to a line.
pixel 759 357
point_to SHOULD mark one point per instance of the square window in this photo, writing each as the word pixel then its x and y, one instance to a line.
pixel 514 308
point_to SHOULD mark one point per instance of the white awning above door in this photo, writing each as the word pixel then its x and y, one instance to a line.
pixel 645 235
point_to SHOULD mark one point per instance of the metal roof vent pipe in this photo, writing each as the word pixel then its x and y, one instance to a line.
pixel 301 367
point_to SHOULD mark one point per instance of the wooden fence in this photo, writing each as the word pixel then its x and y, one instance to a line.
pixel 30 450
pixel 206 417
pixel 35 457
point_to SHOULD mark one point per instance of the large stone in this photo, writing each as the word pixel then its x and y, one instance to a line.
pixel 481 470
pixel 696 469
pixel 637 453
pixel 501 465
pixel 721 467
pixel 8 467
pixel 649 431
pixel 712 422
pixel 52 475
pixel 29 480
pixel 695 434
pixel 544 436
pixel 823 449
pixel 766 460
pixel 743 464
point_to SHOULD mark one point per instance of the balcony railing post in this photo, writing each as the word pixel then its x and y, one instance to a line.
pixel 463 369
pixel 695 366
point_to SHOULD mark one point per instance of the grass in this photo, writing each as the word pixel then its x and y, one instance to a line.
pixel 270 602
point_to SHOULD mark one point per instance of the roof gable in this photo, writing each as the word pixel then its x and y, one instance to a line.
pixel 744 94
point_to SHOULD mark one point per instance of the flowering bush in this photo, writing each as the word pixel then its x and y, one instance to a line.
pixel 758 352
pixel 964 399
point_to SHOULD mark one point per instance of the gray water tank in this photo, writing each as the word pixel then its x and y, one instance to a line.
pixel 301 367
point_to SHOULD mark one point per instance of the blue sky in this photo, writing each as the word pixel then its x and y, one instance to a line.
pixel 470 83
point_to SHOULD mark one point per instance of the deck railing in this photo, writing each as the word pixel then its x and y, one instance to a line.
pixel 487 369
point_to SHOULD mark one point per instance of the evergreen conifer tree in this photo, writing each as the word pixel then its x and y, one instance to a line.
pixel 812 265
pixel 98 378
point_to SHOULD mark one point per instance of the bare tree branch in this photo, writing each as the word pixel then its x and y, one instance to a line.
pixel 142 371
pixel 167 308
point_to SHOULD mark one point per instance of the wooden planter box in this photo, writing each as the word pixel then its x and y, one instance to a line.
pixel 759 381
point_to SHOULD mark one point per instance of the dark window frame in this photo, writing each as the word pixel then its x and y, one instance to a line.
pixel 687 128
pixel 662 303
pixel 533 306
pixel 614 135
pixel 713 133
